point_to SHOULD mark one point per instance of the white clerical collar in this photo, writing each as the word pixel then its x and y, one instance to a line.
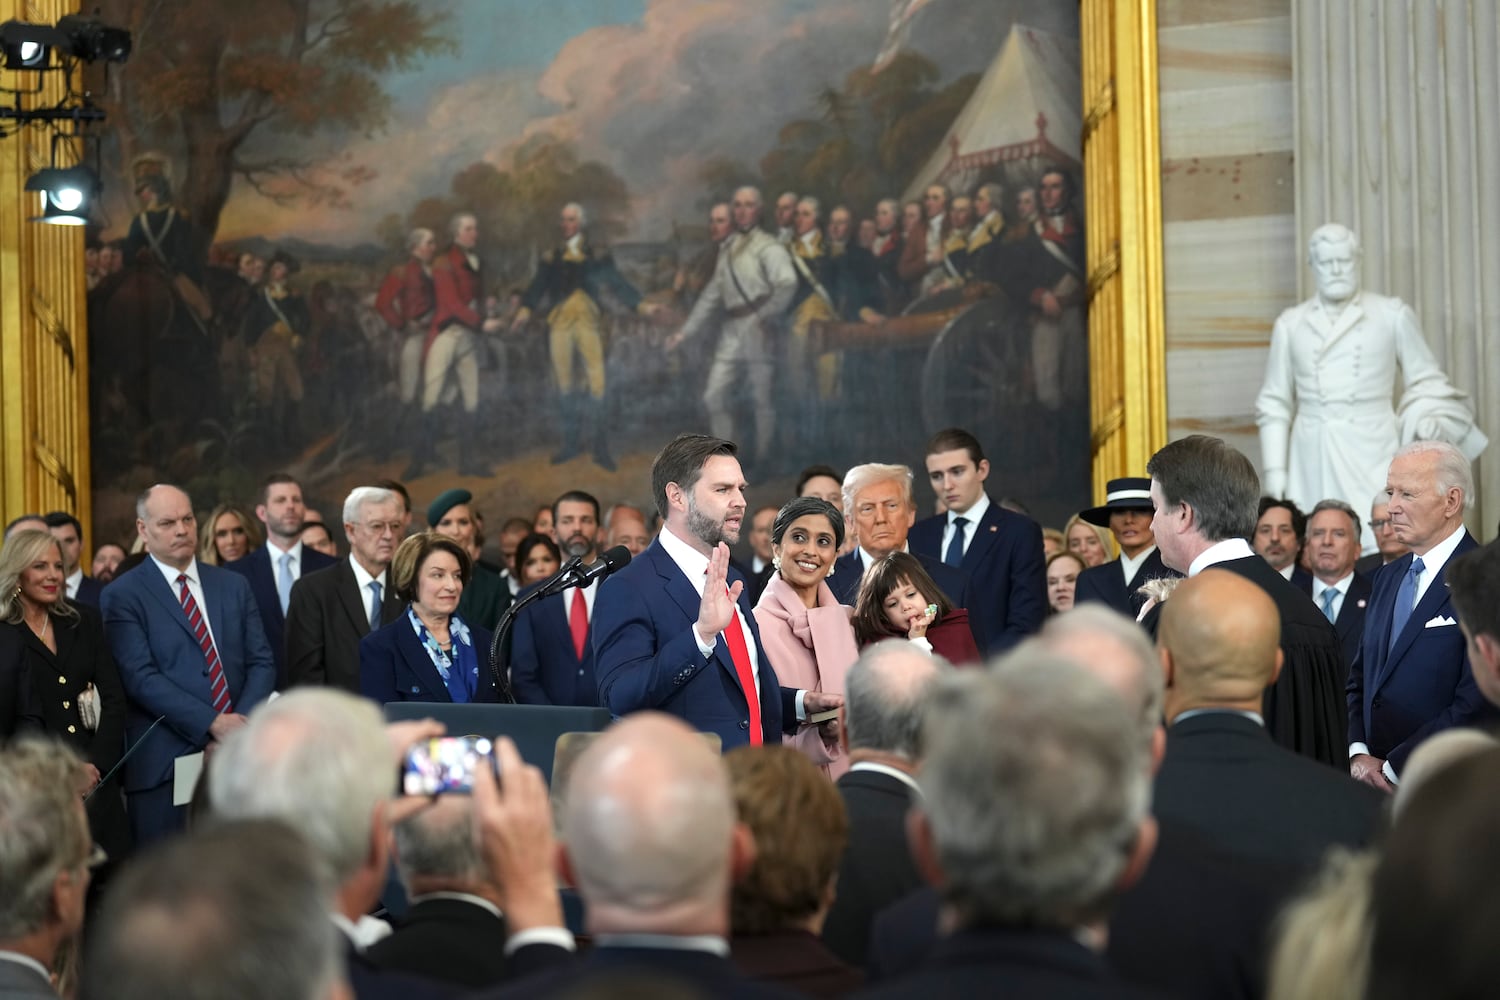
pixel 710 943
pixel 1229 548
pixel 976 510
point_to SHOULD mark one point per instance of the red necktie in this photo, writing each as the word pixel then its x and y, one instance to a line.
pixel 578 621
pixel 218 687
pixel 734 637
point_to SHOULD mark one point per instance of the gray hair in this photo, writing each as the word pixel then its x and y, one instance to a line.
pixel 1035 786
pixel 1342 508
pixel 361 496
pixel 862 477
pixel 1144 684
pixel 315 758
pixel 456 220
pixel 43 831
pixel 1382 499
pixel 815 204
pixel 752 189
pixel 885 693
pixel 1215 480
pixel 415 238
pixel 234 910
pixel 439 843
pixel 993 192
pixel 1333 233
pixel 1453 468
pixel 583 215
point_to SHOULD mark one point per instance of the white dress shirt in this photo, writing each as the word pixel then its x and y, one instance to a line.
pixel 364 579
pixel 72 582
pixel 1436 558
pixel 973 516
pixel 275 552
pixel 1287 571
pixel 195 587
pixel 1340 591
pixel 694 566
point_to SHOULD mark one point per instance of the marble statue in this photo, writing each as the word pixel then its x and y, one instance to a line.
pixel 1327 425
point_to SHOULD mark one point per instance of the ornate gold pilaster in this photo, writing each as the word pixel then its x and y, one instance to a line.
pixel 44 425
pixel 1122 191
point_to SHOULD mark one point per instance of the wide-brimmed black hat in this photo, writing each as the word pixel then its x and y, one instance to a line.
pixel 1133 493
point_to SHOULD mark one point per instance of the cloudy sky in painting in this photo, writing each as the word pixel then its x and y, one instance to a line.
pixel 651 87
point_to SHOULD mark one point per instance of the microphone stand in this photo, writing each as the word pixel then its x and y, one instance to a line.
pixel 501 670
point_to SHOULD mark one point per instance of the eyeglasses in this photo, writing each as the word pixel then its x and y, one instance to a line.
pixel 1379 525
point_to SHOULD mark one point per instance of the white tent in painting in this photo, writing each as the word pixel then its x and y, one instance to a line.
pixel 1025 113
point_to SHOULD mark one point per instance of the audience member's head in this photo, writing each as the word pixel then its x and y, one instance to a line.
pixel 651 837
pixel 1436 895
pixel 759 535
pixel 878 502
pixel 436 850
pixel 1389 546
pixel 375 521
pixel 1062 580
pixel 1114 649
pixel 1053 542
pixel 1430 483
pixel 541 521
pixel 823 482
pixel 403 495
pixel 1279 530
pixel 26 522
pixel 281 508
pixel 419 553
pixel 885 697
pixel 700 490
pixel 626 525
pixel 1322 946
pixel 233 910
pixel 1089 542
pixel 227 534
pixel 1474 587
pixel 1220 637
pixel 45 849
pixel 1063 821
pixel 316 536
pixel 69 534
pixel 575 520
pixel 537 557
pixel 512 531
pixel 106 564
pixel 166 524
pixel 1333 540
pixel 799 826
pixel 1205 492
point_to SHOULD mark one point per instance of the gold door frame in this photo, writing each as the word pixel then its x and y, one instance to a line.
pixel 44 347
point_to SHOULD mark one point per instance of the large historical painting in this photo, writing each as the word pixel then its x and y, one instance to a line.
pixel 478 242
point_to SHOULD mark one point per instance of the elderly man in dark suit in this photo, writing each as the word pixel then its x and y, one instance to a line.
pixel 1412 677
pixel 192 655
pixel 333 609
pixel 673 630
pixel 274 568
pixel 1126 512
pixel 1206 496
pixel 998 552
pixel 1222 774
pixel 1339 590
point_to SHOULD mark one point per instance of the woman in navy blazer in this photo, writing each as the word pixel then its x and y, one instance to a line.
pixel 428 653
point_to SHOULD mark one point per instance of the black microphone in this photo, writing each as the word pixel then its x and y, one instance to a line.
pixel 615 559
pixel 563 578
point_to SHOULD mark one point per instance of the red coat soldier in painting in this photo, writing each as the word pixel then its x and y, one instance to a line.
pixel 406 301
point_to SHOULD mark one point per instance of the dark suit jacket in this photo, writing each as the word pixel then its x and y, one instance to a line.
pixel 484 599
pixel 89 592
pixel 1402 693
pixel 1006 574
pixel 849 569
pixel 325 620
pixel 646 655
pixel 369 981
pixel 795 960
pixel 1350 624
pixel 606 968
pixel 1305 709
pixel 18 708
pixel 544 667
pixel 877 868
pixel 755 583
pixel 163 670
pixel 1196 924
pixel 256 567
pixel 995 962
pixel 1106 584
pixel 451 940
pixel 1369 564
pixel 393 666
pixel 1224 777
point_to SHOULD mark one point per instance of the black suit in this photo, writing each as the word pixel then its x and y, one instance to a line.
pixel 1224 777
pixel 1195 925
pixel 877 868
pixel 1369 564
pixel 370 982
pixel 452 940
pixel 996 962
pixel 1306 710
pixel 607 968
pixel 89 592
pixel 849 569
pixel 1350 623
pixel 755 583
pixel 17 706
pixel 256 567
pixel 1106 584
pixel 325 620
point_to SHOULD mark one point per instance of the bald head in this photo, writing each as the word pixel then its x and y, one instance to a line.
pixel 649 825
pixel 1221 637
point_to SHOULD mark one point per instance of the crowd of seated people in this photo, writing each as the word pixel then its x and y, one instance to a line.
pixel 1191 744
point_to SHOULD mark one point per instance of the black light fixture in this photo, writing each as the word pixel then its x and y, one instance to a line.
pixel 68 194
pixel 29 46
pixel 89 39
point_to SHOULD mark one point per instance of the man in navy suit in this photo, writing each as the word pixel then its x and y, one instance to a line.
pixel 1000 552
pixel 193 656
pixel 281 562
pixel 1412 676
pixel 673 630
pixel 552 650
pixel 1126 513
pixel 1336 587
pixel 65 528
pixel 878 503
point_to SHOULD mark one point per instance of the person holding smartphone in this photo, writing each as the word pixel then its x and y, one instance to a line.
pixel 428 653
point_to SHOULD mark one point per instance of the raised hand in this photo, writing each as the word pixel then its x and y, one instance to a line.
pixel 717 608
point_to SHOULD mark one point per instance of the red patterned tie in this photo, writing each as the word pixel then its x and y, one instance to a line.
pixel 218 687
pixel 578 621
pixel 734 637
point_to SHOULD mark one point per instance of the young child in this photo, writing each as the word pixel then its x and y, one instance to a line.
pixel 897 598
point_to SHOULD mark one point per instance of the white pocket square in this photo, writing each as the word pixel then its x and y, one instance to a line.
pixel 1439 622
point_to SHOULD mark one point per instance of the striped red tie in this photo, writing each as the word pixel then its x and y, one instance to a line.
pixel 218 686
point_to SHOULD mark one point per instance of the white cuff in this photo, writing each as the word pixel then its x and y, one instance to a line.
pixel 558 936
pixel 1390 773
pixel 1355 749
pixel 801 709
pixel 922 642
pixel 708 650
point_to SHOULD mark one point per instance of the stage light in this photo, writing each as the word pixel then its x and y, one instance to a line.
pixel 90 39
pixel 68 194
pixel 28 46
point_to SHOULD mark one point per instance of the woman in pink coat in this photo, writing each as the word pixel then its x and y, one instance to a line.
pixel 804 629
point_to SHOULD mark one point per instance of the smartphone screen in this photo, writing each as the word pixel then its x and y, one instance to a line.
pixel 435 766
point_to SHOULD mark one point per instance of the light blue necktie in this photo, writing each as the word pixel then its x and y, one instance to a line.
pixel 1406 598
pixel 284 581
pixel 1329 593
pixel 955 554
pixel 374 588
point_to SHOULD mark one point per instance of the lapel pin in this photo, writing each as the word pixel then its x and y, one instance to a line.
pixel 1361 602
pixel 994 528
